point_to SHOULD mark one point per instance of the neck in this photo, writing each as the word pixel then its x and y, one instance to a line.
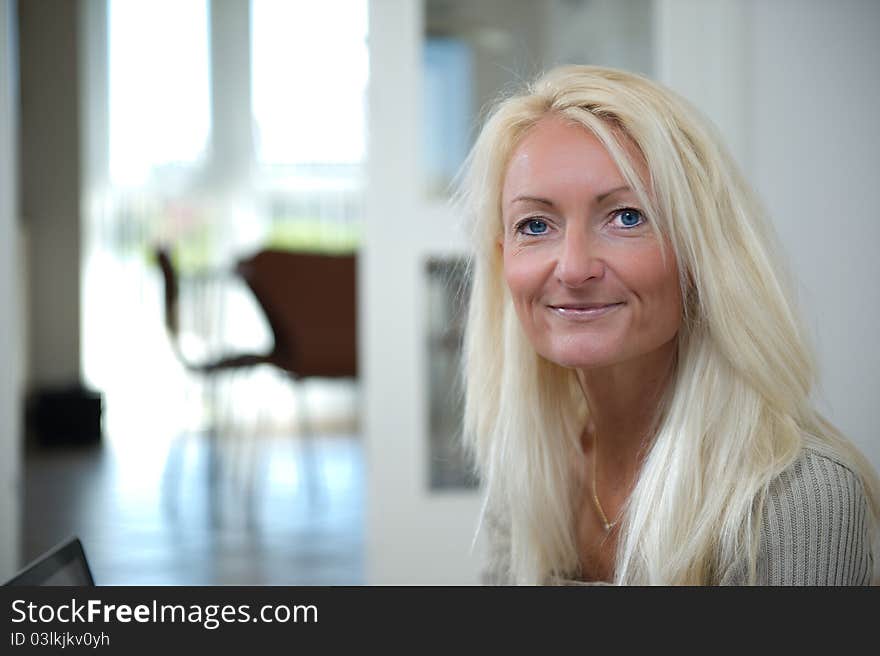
pixel 623 400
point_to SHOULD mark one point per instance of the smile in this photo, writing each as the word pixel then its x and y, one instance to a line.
pixel 583 312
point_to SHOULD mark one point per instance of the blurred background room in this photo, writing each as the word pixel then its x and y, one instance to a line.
pixel 231 283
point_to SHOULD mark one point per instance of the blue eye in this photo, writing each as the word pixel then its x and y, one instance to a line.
pixel 533 227
pixel 629 218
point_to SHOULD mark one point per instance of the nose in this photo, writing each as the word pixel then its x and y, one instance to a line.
pixel 579 258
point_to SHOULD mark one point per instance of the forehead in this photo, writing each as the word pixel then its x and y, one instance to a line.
pixel 557 157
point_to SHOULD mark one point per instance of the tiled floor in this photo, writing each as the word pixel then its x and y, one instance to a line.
pixel 151 516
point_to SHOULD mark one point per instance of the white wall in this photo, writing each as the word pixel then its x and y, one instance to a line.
pixel 10 455
pixel 794 86
pixel 816 162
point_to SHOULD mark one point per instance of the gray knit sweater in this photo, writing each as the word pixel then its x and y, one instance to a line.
pixel 815 530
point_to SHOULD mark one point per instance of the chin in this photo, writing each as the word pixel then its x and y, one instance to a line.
pixel 576 356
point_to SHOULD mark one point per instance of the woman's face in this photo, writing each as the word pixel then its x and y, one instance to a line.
pixel 585 270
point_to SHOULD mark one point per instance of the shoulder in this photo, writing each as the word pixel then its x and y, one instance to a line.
pixel 815 525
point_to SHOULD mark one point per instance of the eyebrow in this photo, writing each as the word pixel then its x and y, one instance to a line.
pixel 544 201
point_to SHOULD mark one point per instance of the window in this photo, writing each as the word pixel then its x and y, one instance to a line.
pixel 159 88
pixel 165 79
pixel 309 82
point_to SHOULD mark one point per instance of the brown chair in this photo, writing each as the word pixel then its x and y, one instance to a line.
pixel 310 303
pixel 210 366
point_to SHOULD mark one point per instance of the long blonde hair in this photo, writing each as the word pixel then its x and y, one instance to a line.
pixel 739 409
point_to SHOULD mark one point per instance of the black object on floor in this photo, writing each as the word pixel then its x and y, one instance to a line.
pixel 70 415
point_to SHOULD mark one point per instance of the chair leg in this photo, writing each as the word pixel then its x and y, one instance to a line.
pixel 308 453
pixel 213 457
pixel 252 464
pixel 171 476
pixel 173 472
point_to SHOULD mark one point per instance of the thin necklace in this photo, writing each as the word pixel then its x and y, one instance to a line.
pixel 608 525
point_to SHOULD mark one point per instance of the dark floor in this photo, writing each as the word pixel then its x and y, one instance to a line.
pixel 153 516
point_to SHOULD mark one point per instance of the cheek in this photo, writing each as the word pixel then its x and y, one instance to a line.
pixel 657 285
pixel 523 273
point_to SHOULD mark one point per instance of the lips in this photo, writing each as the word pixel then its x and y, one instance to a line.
pixel 583 306
pixel 583 311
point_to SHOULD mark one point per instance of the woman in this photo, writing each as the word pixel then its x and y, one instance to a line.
pixel 637 381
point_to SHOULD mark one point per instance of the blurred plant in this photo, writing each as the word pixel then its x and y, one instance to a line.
pixel 313 236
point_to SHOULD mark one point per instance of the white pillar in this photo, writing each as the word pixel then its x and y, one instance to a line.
pixel 703 51
pixel 232 135
pixel 413 535
pixel 51 184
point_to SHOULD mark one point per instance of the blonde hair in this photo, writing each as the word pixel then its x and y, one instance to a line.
pixel 738 411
